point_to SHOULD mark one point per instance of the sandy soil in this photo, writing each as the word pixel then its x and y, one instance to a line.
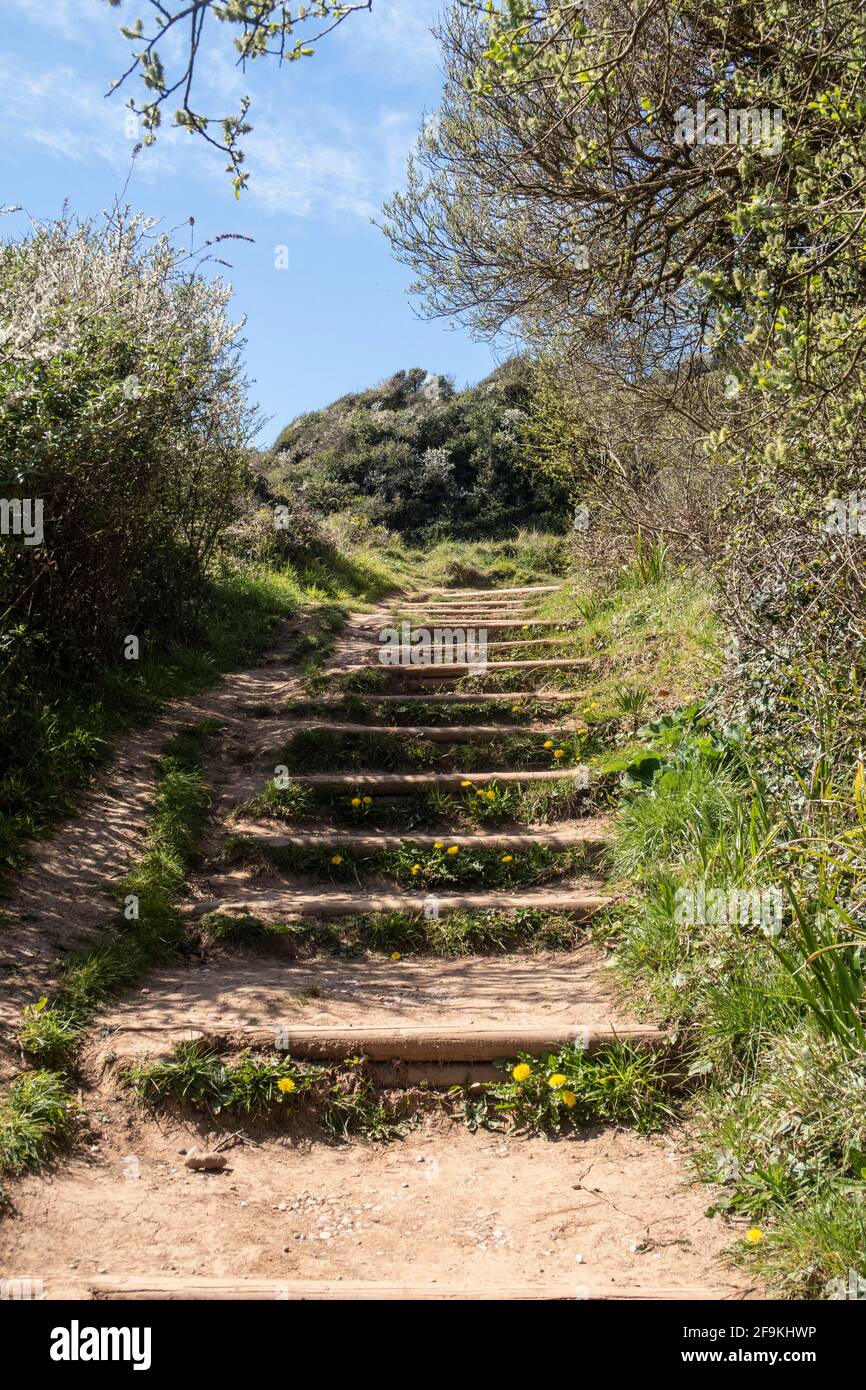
pixel 69 893
pixel 441 1206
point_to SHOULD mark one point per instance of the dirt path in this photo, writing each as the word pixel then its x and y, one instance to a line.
pixel 68 895
pixel 440 1206
pixel 444 1211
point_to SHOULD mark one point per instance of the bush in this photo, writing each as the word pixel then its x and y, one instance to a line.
pixel 416 457
pixel 122 408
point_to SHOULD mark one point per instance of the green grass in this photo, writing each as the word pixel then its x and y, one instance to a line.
pixel 454 934
pixel 662 635
pixel 619 1085
pixel 342 1098
pixel 418 867
pixel 36 1114
pixel 531 557
pixel 484 802
pixel 315 750
pixel 35 1109
pixel 772 1028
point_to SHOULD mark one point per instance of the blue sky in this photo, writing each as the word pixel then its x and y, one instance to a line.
pixel 331 138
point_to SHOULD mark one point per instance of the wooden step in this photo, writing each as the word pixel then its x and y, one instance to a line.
pixel 465 601
pixel 268 905
pixel 443 646
pixel 456 697
pixel 456 1042
pixel 498 624
pixel 436 733
pixel 405 783
pixel 195 1288
pixel 593 835
pixel 483 593
pixel 463 617
pixel 526 642
pixel 431 1043
pixel 455 670
pixel 465 606
pixel 499 609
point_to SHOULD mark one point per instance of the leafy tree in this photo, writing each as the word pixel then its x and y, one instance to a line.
pixel 670 194
pixel 261 28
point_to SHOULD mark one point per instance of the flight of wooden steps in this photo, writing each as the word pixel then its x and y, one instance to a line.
pixel 272 898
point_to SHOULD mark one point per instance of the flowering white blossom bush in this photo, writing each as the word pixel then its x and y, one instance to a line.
pixel 123 407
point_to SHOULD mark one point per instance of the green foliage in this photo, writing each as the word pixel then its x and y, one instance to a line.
pixel 416 457
pixel 453 934
pixel 35 1118
pixel 198 1077
pixel 166 59
pixel 620 1085
pixel 122 407
pixel 342 1098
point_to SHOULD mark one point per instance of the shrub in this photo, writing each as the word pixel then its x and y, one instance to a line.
pixel 122 409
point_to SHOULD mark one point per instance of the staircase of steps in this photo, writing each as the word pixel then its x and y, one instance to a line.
pixel 279 897
pixel 494 1006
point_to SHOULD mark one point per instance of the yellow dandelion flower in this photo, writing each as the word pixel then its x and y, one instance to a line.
pixel 490 795
pixel 525 627
pixel 336 858
pixel 548 743
pixel 754 1236
pixel 416 868
pixel 452 849
pixel 522 1071
pixel 515 709
pixel 368 801
pixel 438 845
pixel 559 752
pixel 286 1085
pixel 568 1098
pixel 480 791
pixel 557 1080
pixel 395 955
pixel 507 858
pixel 466 783
pixel 356 800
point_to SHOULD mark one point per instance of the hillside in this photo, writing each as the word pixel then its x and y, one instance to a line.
pixel 421 458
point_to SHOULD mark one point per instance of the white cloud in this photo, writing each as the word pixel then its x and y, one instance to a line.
pixel 70 19
pixel 345 167
pixel 395 39
pixel 336 153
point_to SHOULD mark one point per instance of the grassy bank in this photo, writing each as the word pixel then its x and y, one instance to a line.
pixel 56 731
pixel 744 933
pixel 37 1111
